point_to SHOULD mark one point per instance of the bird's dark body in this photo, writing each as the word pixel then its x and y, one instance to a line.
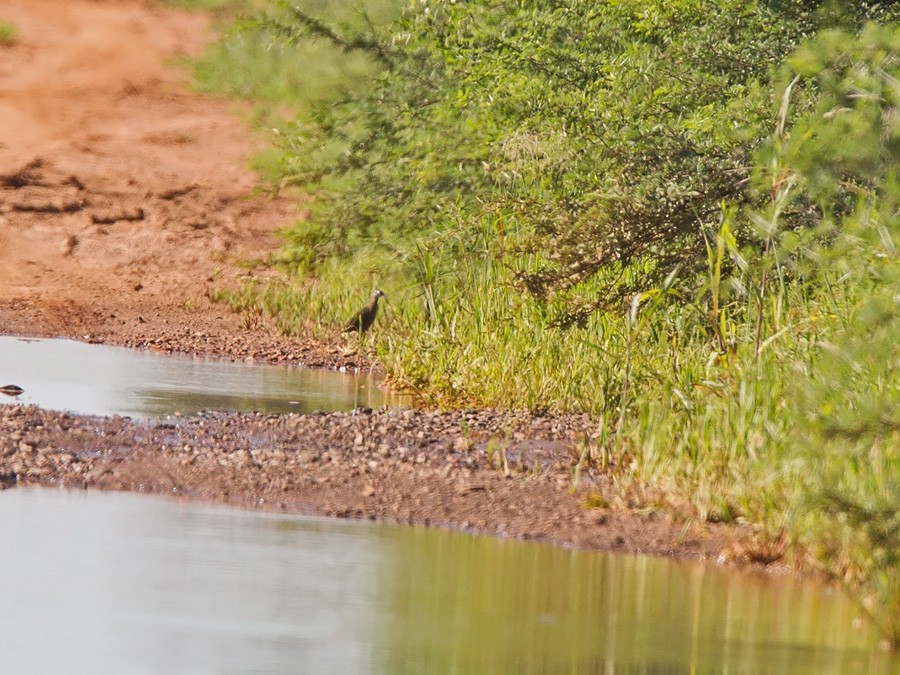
pixel 364 318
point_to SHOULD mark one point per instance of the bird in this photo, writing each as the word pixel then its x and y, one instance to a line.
pixel 363 319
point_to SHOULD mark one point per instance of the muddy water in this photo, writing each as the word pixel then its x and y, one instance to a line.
pixel 98 582
pixel 101 380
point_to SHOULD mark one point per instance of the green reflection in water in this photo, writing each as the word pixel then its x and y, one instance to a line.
pixel 122 583
pixel 472 604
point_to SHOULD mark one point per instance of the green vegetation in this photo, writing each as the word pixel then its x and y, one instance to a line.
pixel 249 63
pixel 680 217
pixel 8 33
pixel 848 409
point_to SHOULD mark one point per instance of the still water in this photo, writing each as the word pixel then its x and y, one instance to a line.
pixel 100 380
pixel 124 583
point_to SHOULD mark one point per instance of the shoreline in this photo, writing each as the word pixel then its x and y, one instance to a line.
pixel 485 472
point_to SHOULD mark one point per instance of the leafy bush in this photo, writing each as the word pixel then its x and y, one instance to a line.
pixel 603 133
pixel 849 435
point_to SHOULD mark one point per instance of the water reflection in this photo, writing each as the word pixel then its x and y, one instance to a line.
pixel 494 606
pixel 119 583
pixel 102 380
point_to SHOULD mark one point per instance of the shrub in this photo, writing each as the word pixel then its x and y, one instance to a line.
pixel 849 432
pixel 604 134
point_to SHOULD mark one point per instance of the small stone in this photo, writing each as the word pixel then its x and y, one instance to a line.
pixel 368 491
pixel 462 444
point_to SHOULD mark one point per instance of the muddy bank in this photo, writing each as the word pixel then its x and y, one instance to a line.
pixel 507 474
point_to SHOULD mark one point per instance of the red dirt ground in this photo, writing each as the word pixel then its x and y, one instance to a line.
pixel 124 196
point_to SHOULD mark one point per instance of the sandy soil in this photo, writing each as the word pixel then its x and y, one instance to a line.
pixel 123 198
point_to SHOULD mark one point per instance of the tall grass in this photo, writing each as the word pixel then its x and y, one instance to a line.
pixel 703 407
pixel 765 391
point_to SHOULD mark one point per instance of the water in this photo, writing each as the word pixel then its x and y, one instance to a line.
pixel 123 583
pixel 100 380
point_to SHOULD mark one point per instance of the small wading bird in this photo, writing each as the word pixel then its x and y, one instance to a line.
pixel 365 317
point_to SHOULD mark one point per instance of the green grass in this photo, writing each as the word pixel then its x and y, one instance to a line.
pixel 9 34
pixel 712 434
pixel 764 392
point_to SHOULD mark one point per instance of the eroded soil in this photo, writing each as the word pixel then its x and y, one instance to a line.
pixel 124 197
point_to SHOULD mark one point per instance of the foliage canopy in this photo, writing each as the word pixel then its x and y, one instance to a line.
pixel 603 133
